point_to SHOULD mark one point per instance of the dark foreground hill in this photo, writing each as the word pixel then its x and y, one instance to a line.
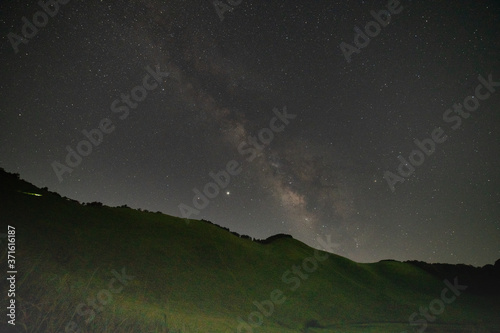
pixel 92 268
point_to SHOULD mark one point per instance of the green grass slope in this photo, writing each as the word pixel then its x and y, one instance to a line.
pixel 197 277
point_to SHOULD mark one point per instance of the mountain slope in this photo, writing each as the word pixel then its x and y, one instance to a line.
pixel 198 277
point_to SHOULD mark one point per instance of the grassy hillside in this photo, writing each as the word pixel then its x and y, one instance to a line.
pixel 198 277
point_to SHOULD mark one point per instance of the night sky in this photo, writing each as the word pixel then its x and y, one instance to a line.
pixel 345 115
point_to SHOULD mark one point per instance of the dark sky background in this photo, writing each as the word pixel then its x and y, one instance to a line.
pixel 322 175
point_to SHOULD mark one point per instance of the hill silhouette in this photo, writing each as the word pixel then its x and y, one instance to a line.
pixel 94 268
